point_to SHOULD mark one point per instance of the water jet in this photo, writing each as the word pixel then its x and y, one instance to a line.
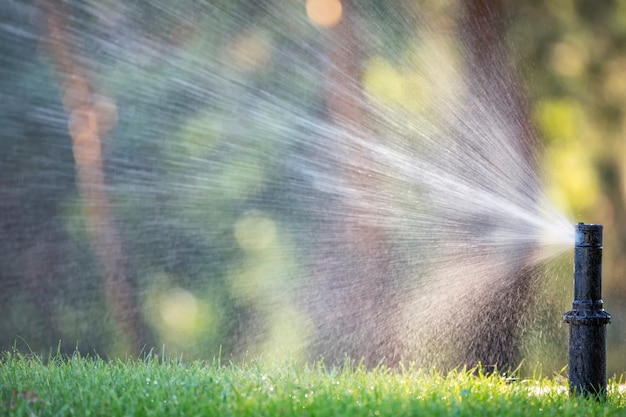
pixel 309 188
pixel 587 319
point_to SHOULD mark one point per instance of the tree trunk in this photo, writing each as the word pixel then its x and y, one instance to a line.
pixel 88 118
pixel 494 336
pixel 354 266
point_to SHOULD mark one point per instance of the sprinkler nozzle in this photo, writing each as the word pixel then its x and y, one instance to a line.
pixel 587 319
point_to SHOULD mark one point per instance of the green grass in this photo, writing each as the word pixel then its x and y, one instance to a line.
pixel 92 387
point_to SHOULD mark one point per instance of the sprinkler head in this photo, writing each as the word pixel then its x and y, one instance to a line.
pixel 587 319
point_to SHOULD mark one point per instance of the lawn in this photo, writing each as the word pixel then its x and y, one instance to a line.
pixel 78 386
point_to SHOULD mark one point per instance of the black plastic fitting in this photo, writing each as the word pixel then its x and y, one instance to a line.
pixel 587 319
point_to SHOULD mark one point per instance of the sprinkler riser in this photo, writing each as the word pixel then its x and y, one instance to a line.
pixel 587 320
pixel 587 359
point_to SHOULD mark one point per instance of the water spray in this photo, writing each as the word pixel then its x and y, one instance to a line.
pixel 587 319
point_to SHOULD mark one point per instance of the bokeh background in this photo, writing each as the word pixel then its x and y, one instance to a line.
pixel 148 196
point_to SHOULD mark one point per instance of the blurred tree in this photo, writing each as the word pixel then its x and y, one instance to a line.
pixel 89 117
pixel 483 30
pixel 355 310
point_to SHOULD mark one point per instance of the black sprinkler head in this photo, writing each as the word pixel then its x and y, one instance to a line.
pixel 587 319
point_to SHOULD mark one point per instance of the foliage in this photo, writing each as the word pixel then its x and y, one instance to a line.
pixel 219 112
